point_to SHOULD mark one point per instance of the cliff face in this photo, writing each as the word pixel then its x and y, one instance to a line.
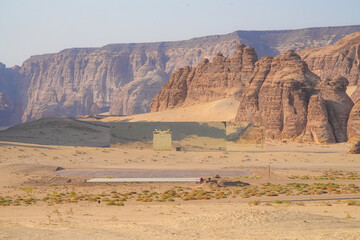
pixel 293 103
pixel 283 96
pixel 9 96
pixel 278 96
pixel 318 127
pixel 328 112
pixel 209 81
pixel 124 78
pixel 354 118
pixel 342 58
pixel 135 97
pixel 282 93
pixel 353 129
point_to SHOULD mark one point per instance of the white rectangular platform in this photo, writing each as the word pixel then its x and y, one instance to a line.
pixel 113 180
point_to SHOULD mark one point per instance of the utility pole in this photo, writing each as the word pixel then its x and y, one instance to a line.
pixel 269 171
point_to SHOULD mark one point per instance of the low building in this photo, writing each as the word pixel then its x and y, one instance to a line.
pixel 188 136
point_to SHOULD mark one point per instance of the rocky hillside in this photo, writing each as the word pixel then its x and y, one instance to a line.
pixel 282 92
pixel 342 58
pixel 9 104
pixel 354 118
pixel 221 78
pixel 124 78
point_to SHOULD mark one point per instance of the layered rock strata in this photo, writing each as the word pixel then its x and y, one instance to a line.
pixel 353 126
pixel 328 112
pixel 209 81
pixel 124 78
pixel 120 79
pixel 282 93
pixel 318 127
pixel 293 103
pixel 341 58
pixel 10 105
pixel 279 98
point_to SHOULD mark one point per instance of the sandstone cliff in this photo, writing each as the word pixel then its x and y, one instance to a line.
pixel 353 130
pixel 355 96
pixel 328 112
pixel 282 93
pixel 342 58
pixel 283 96
pixel 279 95
pixel 9 103
pixel 318 127
pixel 293 103
pixel 87 81
pixel 124 78
pixel 221 78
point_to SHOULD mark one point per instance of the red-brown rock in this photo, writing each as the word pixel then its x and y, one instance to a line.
pixel 249 101
pixel 221 78
pixel 318 127
pixel 278 96
pixel 353 127
pixel 342 58
pixel 282 93
pixel 284 96
pixel 338 105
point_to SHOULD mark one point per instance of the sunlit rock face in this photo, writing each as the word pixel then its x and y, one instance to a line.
pixel 282 93
pixel 124 78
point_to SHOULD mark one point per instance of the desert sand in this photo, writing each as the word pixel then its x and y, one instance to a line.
pixel 219 110
pixel 28 177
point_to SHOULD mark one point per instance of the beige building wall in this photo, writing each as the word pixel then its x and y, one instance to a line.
pixel 244 136
pixel 188 136
pixel 162 140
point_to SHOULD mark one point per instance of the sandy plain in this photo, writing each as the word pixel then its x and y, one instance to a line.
pixel 38 204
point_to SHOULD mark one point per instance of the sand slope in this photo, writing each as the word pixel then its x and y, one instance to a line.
pixel 58 131
pixel 220 110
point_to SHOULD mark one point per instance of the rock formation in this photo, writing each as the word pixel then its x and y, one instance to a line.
pixel 342 58
pixel 356 94
pixel 355 149
pixel 221 78
pixel 6 109
pixel 353 126
pixel 124 78
pixel 86 81
pixel 279 95
pixel 282 93
pixel 293 103
pixel 338 105
pixel 328 112
pixel 318 127
pixel 9 104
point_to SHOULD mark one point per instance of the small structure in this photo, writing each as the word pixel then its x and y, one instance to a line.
pixel 162 140
pixel 188 136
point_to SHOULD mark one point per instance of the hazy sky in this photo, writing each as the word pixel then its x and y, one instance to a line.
pixel 31 27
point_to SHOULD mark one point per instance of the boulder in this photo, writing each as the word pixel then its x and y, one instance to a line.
pixel 355 149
